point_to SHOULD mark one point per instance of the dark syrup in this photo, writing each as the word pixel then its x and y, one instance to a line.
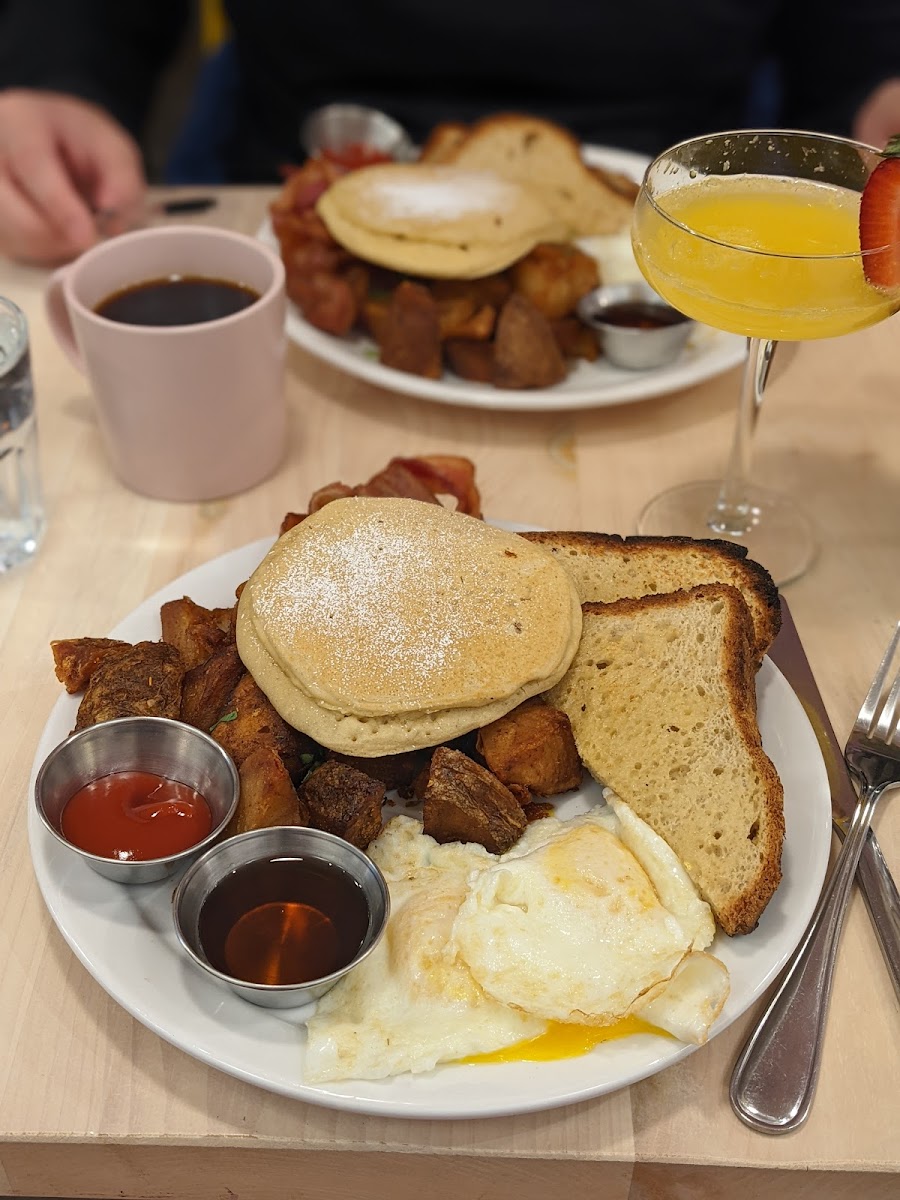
pixel 176 300
pixel 640 314
pixel 283 920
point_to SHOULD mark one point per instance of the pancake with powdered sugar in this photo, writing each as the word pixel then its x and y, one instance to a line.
pixel 437 222
pixel 380 625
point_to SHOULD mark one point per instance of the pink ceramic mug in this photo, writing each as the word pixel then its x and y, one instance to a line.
pixel 187 412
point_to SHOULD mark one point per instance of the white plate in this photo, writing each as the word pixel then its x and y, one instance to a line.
pixel 125 937
pixel 708 352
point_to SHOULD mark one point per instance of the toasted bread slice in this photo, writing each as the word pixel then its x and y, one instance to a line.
pixel 443 141
pixel 548 158
pixel 662 702
pixel 606 567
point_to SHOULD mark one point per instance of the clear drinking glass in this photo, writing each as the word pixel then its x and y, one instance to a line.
pixel 21 502
pixel 757 233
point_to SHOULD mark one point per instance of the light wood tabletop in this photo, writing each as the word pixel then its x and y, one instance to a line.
pixel 92 1103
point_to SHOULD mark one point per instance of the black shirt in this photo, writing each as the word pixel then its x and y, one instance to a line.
pixel 639 74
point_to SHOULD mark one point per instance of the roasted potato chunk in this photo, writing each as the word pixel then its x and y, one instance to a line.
pixel 461 318
pixel 144 681
pixel 76 659
pixel 525 351
pixel 411 337
pixel 554 276
pixel 268 797
pixel 533 746
pixel 251 721
pixel 226 618
pixel 344 801
pixel 491 290
pixel 575 339
pixel 396 771
pixel 374 315
pixel 470 359
pixel 196 632
pixel 207 688
pixel 327 300
pixel 465 803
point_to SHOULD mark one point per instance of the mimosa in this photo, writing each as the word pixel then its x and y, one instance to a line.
pixel 760 255
pixel 770 234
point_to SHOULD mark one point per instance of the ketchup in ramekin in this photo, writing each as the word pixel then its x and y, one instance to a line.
pixel 135 816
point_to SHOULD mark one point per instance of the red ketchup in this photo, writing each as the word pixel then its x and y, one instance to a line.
pixel 135 815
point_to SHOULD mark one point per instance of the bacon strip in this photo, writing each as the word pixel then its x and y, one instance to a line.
pixel 447 475
pixel 424 478
pixel 398 479
pixel 331 491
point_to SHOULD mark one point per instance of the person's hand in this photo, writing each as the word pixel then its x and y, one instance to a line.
pixel 62 160
pixel 879 117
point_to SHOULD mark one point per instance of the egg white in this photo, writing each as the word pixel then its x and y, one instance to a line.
pixel 411 1004
pixel 571 930
pixel 587 920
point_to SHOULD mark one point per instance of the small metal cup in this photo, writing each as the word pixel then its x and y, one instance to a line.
pixel 285 840
pixel 630 347
pixel 337 126
pixel 155 744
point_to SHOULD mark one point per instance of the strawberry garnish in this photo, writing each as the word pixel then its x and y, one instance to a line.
pixel 879 220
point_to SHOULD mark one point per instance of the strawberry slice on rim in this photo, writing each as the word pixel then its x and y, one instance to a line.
pixel 879 220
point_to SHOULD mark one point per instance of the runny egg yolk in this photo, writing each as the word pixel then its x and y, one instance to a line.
pixel 565 1041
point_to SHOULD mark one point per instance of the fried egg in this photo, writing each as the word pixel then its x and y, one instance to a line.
pixel 568 925
pixel 586 922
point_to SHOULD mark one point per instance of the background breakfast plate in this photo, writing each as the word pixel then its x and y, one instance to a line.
pixel 708 352
pixel 125 936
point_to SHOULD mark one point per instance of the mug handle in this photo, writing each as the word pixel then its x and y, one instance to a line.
pixel 58 316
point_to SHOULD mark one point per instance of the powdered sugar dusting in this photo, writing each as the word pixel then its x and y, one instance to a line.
pixel 386 615
pixel 446 197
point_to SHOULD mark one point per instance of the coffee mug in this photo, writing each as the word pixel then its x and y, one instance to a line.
pixel 191 411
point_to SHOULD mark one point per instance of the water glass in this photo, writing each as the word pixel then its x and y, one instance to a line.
pixel 21 502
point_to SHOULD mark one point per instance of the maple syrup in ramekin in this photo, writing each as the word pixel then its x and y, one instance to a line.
pixel 282 920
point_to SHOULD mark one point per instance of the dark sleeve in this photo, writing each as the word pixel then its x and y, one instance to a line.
pixel 833 54
pixel 107 51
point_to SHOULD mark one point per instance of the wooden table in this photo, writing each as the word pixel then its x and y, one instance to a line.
pixel 93 1104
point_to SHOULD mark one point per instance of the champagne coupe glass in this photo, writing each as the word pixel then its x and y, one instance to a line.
pixel 757 233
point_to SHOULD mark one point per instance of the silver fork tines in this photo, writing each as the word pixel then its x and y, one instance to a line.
pixel 775 1075
pixel 888 718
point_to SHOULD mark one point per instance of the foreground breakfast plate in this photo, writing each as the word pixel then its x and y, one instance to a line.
pixel 708 352
pixel 126 939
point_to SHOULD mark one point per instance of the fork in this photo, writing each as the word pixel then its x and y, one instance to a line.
pixel 775 1076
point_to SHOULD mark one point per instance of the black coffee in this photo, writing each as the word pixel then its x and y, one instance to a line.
pixel 176 300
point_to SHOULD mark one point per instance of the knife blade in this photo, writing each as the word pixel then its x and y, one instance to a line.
pixel 873 876
pixel 109 220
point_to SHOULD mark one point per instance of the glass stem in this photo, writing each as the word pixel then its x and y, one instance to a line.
pixel 733 514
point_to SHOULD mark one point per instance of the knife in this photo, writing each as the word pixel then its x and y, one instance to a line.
pixel 104 218
pixel 878 887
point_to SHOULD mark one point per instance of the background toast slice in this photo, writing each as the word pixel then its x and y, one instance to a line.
pixel 606 567
pixel 662 701
pixel 548 158
pixel 443 141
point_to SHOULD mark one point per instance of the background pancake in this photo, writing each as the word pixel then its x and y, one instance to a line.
pixel 436 221
pixel 431 260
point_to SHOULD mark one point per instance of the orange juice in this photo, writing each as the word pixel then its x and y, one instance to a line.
pixel 762 256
